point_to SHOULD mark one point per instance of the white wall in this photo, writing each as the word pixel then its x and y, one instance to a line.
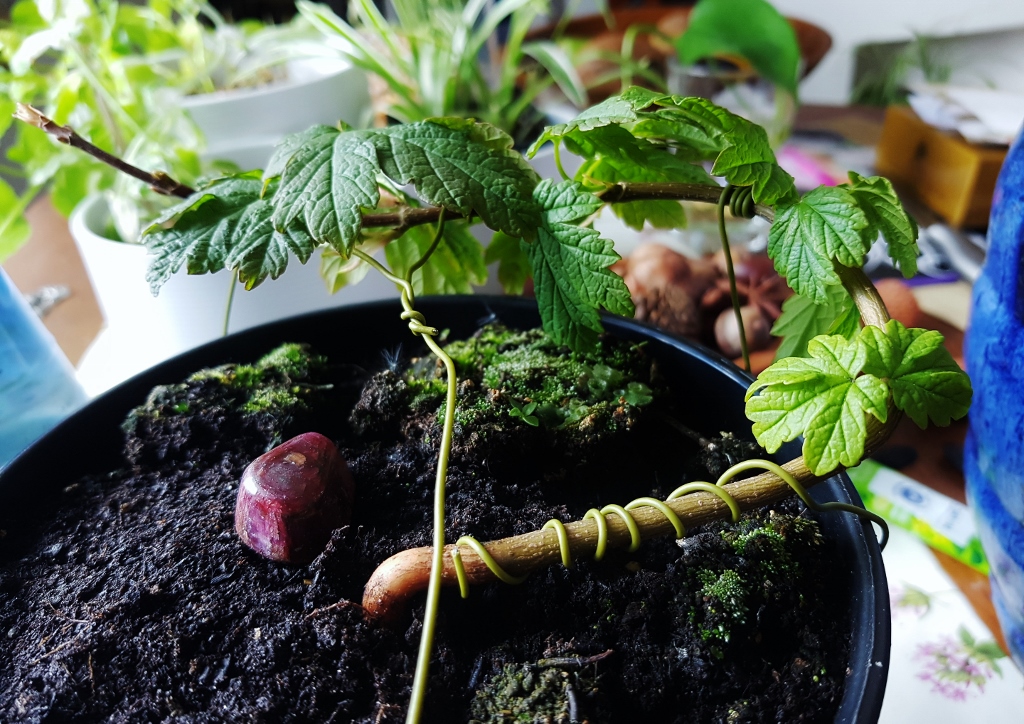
pixel 854 22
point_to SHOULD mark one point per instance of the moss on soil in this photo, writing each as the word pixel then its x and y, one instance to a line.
pixel 512 381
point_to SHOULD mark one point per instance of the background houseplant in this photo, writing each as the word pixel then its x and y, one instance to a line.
pixel 119 72
pixel 444 58
pixel 844 397
pixel 160 84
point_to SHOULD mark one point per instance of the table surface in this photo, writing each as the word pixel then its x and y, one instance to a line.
pixel 51 258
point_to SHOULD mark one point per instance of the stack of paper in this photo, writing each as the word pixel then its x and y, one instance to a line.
pixel 980 115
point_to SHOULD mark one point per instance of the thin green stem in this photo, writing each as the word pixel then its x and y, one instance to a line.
pixel 231 301
pixel 558 160
pixel 419 686
pixel 433 245
pixel 404 285
pixel 722 200
pixel 418 326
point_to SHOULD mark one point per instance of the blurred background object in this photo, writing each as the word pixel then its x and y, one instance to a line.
pixel 37 383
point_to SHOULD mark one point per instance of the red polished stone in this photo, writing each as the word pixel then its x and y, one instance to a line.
pixel 292 497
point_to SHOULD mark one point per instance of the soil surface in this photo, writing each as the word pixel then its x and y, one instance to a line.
pixel 133 599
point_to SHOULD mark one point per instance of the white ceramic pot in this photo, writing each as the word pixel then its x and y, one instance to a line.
pixel 142 330
pixel 243 125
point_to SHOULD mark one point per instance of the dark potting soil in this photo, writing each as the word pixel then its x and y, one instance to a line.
pixel 131 598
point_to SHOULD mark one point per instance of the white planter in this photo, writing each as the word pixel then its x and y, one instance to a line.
pixel 142 330
pixel 243 125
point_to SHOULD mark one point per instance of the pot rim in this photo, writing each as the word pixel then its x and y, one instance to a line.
pixel 99 423
pixel 320 67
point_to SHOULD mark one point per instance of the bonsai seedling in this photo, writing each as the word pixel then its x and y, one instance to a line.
pixel 645 152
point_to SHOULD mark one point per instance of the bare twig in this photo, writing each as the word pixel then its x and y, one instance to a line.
pixel 404 217
pixel 574 662
pixel 340 604
pixel 158 181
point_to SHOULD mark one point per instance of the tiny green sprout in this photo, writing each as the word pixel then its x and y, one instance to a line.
pixel 637 394
pixel 525 413
pixel 602 378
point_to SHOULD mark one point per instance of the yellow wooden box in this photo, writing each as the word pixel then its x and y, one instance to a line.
pixel 952 177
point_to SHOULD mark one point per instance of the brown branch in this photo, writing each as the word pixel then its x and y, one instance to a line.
pixel 619 193
pixel 404 217
pixel 159 181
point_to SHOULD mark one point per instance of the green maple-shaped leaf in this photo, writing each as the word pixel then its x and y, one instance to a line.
pixel 825 224
pixel 570 263
pixel 886 216
pixel 457 169
pixel 802 320
pixel 200 231
pixel 926 382
pixel 740 149
pixel 259 250
pixel 513 263
pixel 325 183
pixel 615 110
pixel 824 398
pixel 228 225
pixel 286 148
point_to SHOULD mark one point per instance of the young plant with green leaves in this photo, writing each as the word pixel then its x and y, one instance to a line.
pixel 643 153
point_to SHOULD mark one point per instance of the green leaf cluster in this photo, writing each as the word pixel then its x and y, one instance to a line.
pixel 320 182
pixel 643 136
pixel 828 396
pixel 317 186
pixel 829 226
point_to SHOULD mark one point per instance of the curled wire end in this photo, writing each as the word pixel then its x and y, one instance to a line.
pixel 802 493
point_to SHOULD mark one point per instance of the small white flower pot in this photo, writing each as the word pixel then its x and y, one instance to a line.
pixel 142 330
pixel 243 125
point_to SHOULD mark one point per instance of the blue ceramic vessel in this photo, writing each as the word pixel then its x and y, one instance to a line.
pixel 994 452
pixel 38 388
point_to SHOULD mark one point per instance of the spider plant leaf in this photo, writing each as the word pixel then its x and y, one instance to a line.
pixel 557 63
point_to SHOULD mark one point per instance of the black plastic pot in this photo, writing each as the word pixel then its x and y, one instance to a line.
pixel 90 441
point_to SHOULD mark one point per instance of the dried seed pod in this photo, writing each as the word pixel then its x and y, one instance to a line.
pixel 292 497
